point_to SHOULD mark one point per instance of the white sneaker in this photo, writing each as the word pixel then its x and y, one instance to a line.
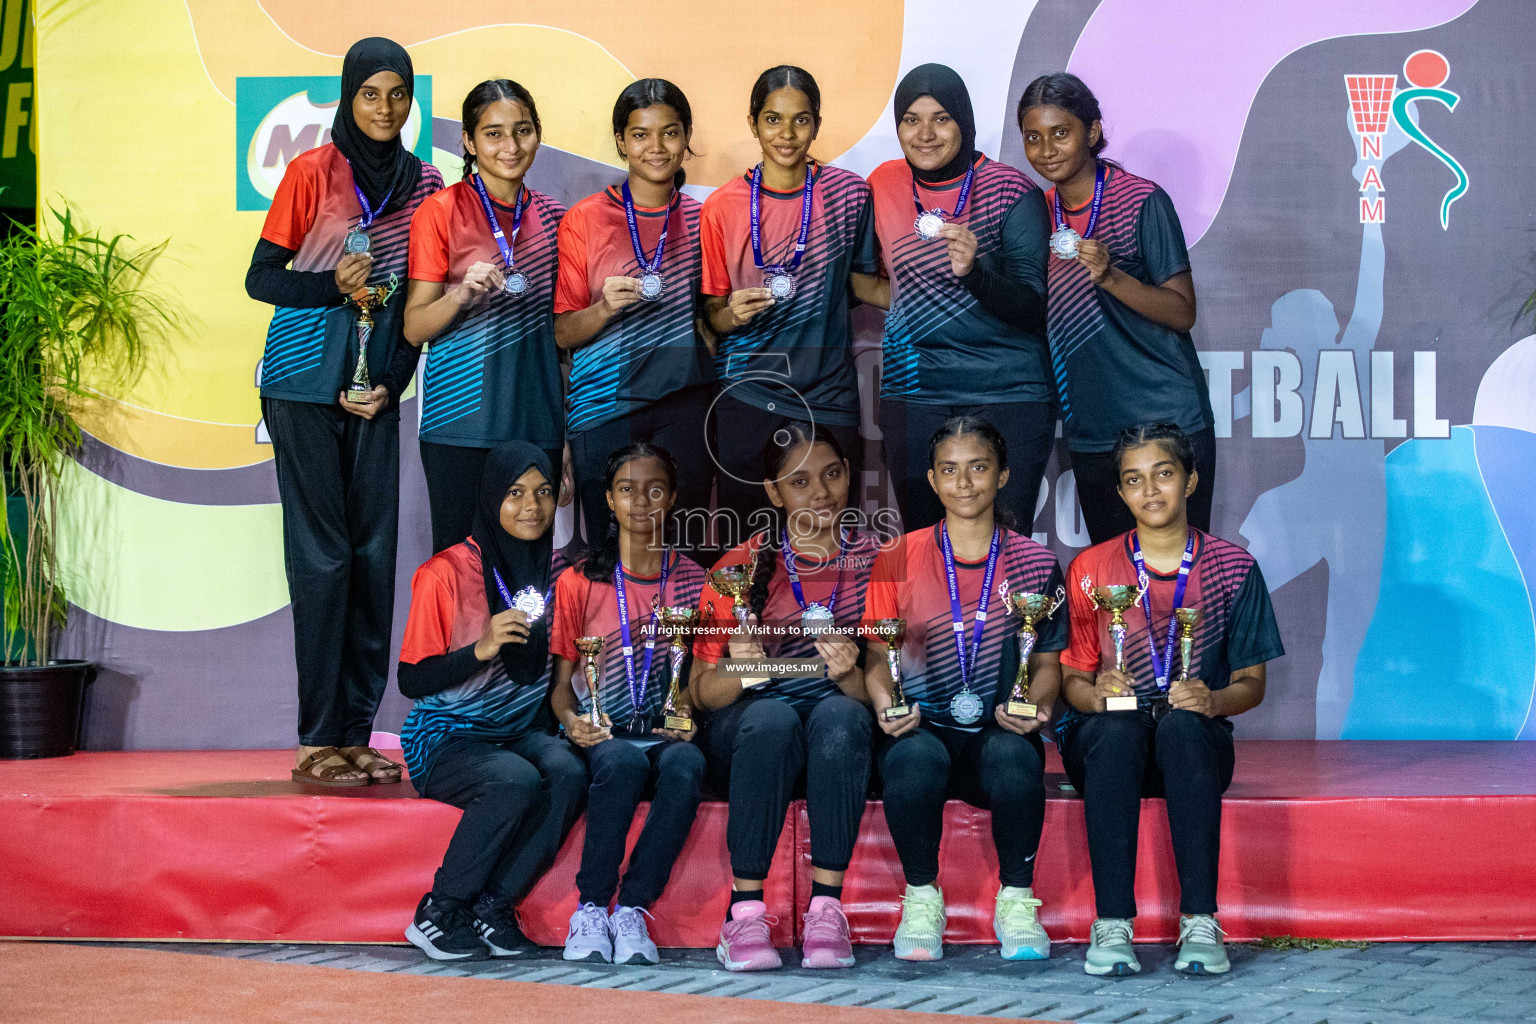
pixel 1111 951
pixel 590 937
pixel 631 942
pixel 920 936
pixel 1201 946
pixel 1017 926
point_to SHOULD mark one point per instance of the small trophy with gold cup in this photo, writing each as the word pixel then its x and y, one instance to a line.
pixel 1115 600
pixel 677 624
pixel 892 632
pixel 1029 609
pixel 1188 618
pixel 591 648
pixel 366 299
pixel 734 582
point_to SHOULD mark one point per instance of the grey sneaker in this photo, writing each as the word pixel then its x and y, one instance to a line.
pixel 1201 946
pixel 920 936
pixel 1016 923
pixel 589 937
pixel 1111 952
pixel 631 942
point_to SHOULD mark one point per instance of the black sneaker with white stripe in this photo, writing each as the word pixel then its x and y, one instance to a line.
pixel 499 928
pixel 445 930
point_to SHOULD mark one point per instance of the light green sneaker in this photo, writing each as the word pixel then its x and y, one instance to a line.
pixel 1017 927
pixel 1110 951
pixel 920 936
pixel 1201 946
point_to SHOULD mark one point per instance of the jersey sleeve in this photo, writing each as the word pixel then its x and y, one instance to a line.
pixel 570 598
pixel 866 248
pixel 882 600
pixel 429 625
pixel 1082 652
pixel 1253 636
pixel 429 242
pixel 294 206
pixel 1053 633
pixel 1025 241
pixel 716 620
pixel 1161 238
pixel 717 275
pixel 572 293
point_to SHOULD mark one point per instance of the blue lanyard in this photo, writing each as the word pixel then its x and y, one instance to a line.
pixel 369 213
pixel 652 265
pixel 793 573
pixel 506 595
pixel 519 204
pixel 1162 667
pixel 965 194
pixel 1093 209
pixel 637 688
pixel 956 612
pixel 755 207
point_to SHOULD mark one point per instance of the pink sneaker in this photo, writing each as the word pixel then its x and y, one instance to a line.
pixel 826 935
pixel 744 941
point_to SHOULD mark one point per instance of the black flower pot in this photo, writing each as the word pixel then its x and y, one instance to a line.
pixel 40 708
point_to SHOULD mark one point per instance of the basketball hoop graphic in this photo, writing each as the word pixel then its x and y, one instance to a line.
pixel 1370 100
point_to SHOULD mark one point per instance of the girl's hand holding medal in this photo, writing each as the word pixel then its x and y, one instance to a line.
pixel 1094 256
pixel 352 272
pixel 480 279
pixel 962 247
pixel 619 292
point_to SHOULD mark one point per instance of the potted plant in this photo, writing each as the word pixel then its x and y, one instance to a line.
pixel 73 306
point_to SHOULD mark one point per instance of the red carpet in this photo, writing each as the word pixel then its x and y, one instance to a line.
pixel 1342 840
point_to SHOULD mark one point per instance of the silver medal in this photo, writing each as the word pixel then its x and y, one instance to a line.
pixel 356 242
pixel 966 708
pixel 516 283
pixel 650 287
pixel 816 619
pixel 1065 243
pixel 780 285
pixel 928 225
pixel 530 602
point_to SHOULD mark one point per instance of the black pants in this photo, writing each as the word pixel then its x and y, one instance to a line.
pixel 741 431
pixel 339 479
pixel 1117 757
pixel 763 750
pixel 519 800
pixel 676 423
pixel 1028 428
pixel 1098 490
pixel 624 773
pixel 453 481
pixel 993 769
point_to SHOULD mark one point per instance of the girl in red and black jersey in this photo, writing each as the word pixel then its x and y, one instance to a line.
pixel 768 738
pixel 627 307
pixel 340 217
pixel 1120 305
pixel 778 295
pixel 481 293
pixel 953 735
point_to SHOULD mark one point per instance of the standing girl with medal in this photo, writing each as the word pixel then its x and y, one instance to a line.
pixel 957 739
pixel 476 660
pixel 1178 742
pixel 768 740
pixel 618 594
pixel 786 246
pixel 966 331
pixel 481 293
pixel 626 307
pixel 337 451
pixel 1121 302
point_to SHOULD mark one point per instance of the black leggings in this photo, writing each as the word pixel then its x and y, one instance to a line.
pixel 1117 757
pixel 624 773
pixel 453 481
pixel 993 769
pixel 1098 490
pixel 761 750
pixel 519 799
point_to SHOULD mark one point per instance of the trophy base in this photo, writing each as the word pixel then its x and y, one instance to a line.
pixel 1022 709
pixel 896 711
pixel 1120 704
pixel 677 723
pixel 358 395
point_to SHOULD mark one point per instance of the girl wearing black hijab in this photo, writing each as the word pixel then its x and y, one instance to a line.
pixel 476 660
pixel 340 218
pixel 964 241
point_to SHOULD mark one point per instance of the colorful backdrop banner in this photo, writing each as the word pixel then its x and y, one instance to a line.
pixel 1353 180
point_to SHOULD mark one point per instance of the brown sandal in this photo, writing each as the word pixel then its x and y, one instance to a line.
pixel 313 772
pixel 381 770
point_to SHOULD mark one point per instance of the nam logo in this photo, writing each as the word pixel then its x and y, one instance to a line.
pixel 277 118
pixel 1375 101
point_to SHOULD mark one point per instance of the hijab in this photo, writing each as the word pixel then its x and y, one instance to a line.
pixel 380 168
pixel 948 90
pixel 522 563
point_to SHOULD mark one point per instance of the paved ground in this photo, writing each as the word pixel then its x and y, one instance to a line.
pixel 1383 984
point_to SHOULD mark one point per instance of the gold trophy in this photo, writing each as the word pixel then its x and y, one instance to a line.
pixel 366 299
pixel 677 624
pixel 1188 618
pixel 1030 609
pixel 591 647
pixel 1115 600
pixel 892 632
pixel 733 582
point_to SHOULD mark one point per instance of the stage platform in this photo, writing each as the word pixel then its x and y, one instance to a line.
pixel 1381 841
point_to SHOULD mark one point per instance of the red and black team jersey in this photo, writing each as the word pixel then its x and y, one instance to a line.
pixel 1237 627
pixel 494 376
pixel 1115 368
pixel 448 612
pixel 652 349
pixel 310 353
pixel 584 607
pixel 941 346
pixel 846 576
pixel 797 351
pixel 909 583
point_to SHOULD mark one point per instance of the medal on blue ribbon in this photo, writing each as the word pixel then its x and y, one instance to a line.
pixel 637 687
pixel 815 618
pixel 651 284
pixel 528 600
pixel 515 282
pixel 929 222
pixel 1065 241
pixel 966 708
pixel 779 279
pixel 357 240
